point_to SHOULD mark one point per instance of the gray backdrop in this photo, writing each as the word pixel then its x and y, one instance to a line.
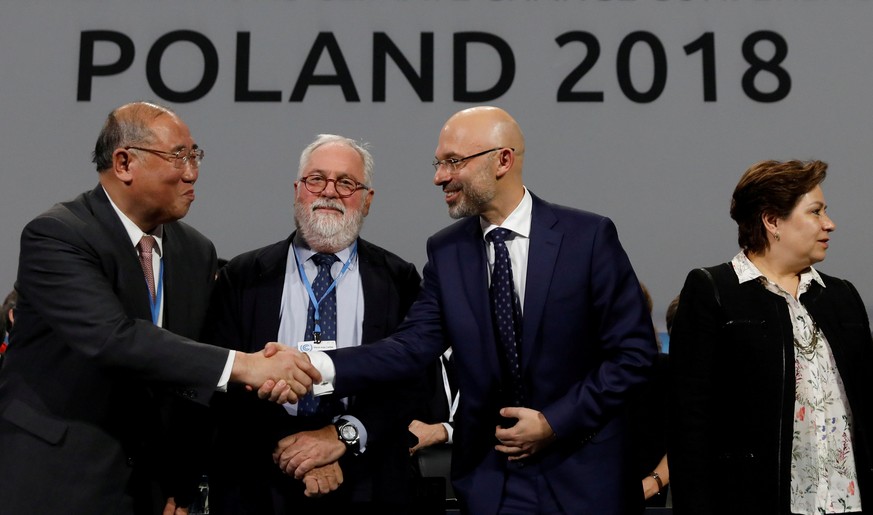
pixel 656 153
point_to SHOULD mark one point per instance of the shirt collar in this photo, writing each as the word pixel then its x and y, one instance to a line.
pixel 747 271
pixel 518 221
pixel 133 231
pixel 304 252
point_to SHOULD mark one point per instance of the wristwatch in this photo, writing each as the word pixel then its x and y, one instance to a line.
pixel 347 433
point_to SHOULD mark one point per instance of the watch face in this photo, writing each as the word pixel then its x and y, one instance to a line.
pixel 348 432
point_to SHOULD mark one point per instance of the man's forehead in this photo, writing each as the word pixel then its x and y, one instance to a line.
pixel 171 131
pixel 336 160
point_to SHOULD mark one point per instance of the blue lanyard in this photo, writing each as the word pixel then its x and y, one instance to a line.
pixel 155 304
pixel 315 302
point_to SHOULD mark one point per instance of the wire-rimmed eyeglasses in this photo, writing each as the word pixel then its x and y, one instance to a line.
pixel 344 186
pixel 179 158
pixel 453 162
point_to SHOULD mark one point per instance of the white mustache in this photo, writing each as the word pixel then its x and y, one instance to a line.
pixel 328 203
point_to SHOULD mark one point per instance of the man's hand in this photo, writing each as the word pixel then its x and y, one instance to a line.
pixel 428 434
pixel 323 480
pixel 288 372
pixel 171 509
pixel 302 452
pixel 528 436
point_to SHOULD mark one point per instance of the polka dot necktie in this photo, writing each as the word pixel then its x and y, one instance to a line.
pixel 310 405
pixel 506 313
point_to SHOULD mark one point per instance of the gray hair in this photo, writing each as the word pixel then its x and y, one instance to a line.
pixel 324 139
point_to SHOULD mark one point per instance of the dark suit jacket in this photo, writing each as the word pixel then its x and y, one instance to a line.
pixel 244 478
pixel 83 394
pixel 587 340
pixel 733 358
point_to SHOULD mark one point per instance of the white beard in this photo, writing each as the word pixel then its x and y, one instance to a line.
pixel 327 232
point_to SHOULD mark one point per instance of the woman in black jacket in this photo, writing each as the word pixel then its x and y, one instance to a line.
pixel 772 365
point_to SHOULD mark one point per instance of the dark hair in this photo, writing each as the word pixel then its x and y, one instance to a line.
pixel 770 189
pixel 127 125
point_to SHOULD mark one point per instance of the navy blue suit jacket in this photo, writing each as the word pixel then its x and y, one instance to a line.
pixel 587 341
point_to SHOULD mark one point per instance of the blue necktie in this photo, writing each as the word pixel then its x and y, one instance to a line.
pixel 310 405
pixel 506 312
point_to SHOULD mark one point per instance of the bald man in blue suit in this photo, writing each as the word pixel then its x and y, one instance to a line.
pixel 585 338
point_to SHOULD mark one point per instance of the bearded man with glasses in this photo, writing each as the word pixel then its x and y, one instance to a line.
pixel 321 287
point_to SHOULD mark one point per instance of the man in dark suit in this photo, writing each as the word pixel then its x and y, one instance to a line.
pixel 264 295
pixel 103 368
pixel 540 426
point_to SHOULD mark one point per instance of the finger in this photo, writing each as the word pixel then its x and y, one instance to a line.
pixel 332 483
pixel 287 395
pixel 311 486
pixel 506 449
pixel 299 375
pixel 302 468
pixel 299 389
pixel 265 390
pixel 272 348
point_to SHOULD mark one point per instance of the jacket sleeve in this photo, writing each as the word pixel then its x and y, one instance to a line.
pixel 693 349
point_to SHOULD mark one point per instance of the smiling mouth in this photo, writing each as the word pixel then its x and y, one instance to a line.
pixel 450 196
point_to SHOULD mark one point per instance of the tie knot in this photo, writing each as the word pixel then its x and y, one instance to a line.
pixel 146 244
pixel 324 260
pixel 498 235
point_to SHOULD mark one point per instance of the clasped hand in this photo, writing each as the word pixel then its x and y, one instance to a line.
pixel 302 452
pixel 282 370
pixel 528 436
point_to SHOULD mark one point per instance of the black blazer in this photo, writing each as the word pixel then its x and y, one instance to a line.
pixel 89 378
pixel 732 358
pixel 243 477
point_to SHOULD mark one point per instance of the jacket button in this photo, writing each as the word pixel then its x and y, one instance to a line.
pixel 131 462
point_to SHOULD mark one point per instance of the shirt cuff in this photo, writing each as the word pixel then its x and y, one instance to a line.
pixel 450 431
pixel 225 374
pixel 325 367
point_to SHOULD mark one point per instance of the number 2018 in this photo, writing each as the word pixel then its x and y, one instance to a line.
pixel 705 45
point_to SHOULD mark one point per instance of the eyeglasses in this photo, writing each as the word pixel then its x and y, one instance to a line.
pixel 344 186
pixel 453 162
pixel 180 158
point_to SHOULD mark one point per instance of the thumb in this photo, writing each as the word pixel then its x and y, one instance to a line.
pixel 272 348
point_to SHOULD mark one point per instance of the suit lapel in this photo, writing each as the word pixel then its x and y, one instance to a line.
pixel 545 242
pixel 374 281
pixel 135 291
pixel 473 267
pixel 266 297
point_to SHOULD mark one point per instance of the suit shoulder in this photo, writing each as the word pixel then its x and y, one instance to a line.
pixel 188 233
pixel 573 217
pixel 456 230
pixel 74 214
pixel 389 257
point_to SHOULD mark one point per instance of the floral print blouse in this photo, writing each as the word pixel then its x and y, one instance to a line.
pixel 823 474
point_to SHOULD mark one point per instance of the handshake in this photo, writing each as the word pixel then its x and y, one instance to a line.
pixel 279 373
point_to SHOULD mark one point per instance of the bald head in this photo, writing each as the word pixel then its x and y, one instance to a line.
pixel 126 125
pixel 487 147
pixel 487 127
